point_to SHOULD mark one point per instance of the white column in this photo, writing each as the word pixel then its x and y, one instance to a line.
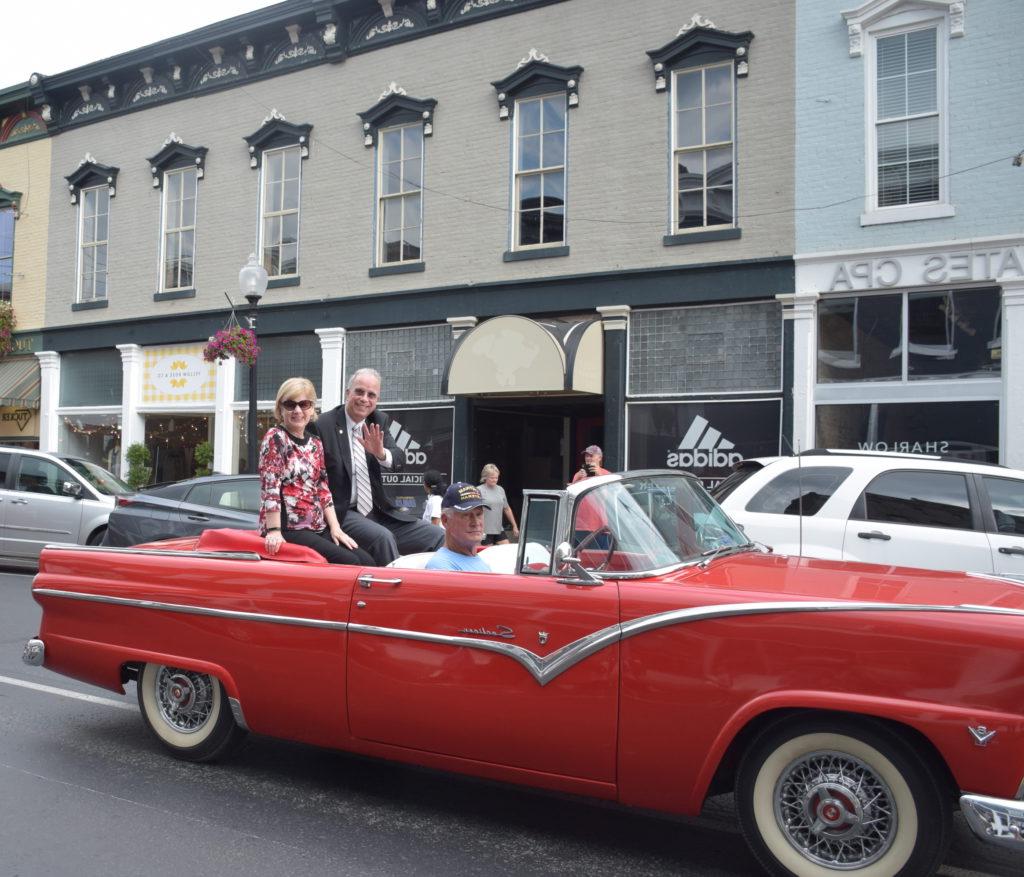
pixel 133 424
pixel 461 325
pixel 49 398
pixel 1011 406
pixel 332 346
pixel 225 436
pixel 801 309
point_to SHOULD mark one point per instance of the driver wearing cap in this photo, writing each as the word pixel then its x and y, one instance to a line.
pixel 462 513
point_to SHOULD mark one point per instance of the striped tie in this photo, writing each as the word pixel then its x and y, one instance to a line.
pixel 364 497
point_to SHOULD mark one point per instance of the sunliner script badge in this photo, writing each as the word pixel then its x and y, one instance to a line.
pixel 502 630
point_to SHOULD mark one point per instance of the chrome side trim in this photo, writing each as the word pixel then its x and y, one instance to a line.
pixel 193 610
pixel 236 711
pixel 160 552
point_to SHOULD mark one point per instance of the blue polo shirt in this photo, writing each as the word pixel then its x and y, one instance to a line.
pixel 445 558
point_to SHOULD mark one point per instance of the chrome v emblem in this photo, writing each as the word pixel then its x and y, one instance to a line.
pixel 981 734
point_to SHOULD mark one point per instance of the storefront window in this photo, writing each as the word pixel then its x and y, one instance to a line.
pixel 95 437
pixel 968 430
pixel 859 338
pixel 90 377
pixel 172 441
pixel 281 357
pixel 264 420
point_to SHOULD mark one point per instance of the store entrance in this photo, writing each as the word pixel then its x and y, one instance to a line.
pixel 536 443
pixel 172 441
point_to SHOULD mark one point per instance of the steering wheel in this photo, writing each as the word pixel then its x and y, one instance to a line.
pixel 591 538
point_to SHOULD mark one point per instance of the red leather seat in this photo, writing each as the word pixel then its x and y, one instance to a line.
pixel 250 540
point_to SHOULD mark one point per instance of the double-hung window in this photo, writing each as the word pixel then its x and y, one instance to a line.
pixel 540 171
pixel 94 215
pixel 400 194
pixel 279 230
pixel 179 235
pixel 703 147
pixel 7 215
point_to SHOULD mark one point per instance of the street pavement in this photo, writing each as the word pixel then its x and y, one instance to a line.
pixel 85 791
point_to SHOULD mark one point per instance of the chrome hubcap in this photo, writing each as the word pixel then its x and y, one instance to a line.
pixel 835 810
pixel 185 699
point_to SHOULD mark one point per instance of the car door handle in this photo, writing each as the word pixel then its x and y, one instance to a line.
pixel 198 517
pixel 875 534
pixel 367 581
pixel 19 502
pixel 1013 550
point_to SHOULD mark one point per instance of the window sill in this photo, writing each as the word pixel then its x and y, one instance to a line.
pixel 89 305
pixel 700 237
pixel 539 253
pixel 172 294
pixel 398 268
pixel 885 215
pixel 279 282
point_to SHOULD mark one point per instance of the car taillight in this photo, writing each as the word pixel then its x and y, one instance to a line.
pixel 123 501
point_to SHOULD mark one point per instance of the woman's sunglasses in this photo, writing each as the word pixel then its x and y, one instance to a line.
pixel 291 404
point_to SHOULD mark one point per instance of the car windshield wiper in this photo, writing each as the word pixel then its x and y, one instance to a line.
pixel 713 553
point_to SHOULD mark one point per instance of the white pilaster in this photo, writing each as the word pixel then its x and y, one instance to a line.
pixel 225 437
pixel 49 398
pixel 614 317
pixel 332 345
pixel 461 325
pixel 1011 406
pixel 801 309
pixel 133 424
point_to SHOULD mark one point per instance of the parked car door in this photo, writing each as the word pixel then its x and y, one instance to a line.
pixel 213 504
pixel 919 518
pixel 429 666
pixel 6 459
pixel 1006 535
pixel 38 510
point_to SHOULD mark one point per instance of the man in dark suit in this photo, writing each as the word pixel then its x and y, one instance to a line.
pixel 357 445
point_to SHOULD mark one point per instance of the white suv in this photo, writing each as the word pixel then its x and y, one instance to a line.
pixel 894 509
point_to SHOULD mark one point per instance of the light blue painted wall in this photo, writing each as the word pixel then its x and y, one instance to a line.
pixel 986 124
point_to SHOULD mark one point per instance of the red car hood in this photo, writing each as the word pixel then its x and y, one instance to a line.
pixel 758 577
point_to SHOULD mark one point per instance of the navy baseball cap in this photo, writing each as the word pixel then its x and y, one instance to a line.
pixel 462 497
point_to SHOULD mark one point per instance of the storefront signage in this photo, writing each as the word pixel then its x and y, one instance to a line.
pixel 705 438
pixel 27 343
pixel 16 419
pixel 177 376
pixel 424 438
pixel 924 269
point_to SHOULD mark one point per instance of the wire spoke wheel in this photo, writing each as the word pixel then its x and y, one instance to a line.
pixel 185 699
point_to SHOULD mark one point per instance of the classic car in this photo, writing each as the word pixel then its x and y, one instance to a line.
pixel 654 657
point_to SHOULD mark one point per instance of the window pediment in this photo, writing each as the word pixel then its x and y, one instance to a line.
pixel 700 42
pixel 10 199
pixel 535 75
pixel 274 133
pixel 869 14
pixel 395 107
pixel 90 173
pixel 176 154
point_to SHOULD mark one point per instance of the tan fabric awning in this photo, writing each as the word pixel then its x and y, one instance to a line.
pixel 19 382
pixel 513 355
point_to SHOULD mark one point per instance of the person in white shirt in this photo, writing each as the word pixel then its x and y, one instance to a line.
pixel 435 486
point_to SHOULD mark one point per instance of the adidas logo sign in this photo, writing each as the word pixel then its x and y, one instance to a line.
pixel 703 447
pixel 413 455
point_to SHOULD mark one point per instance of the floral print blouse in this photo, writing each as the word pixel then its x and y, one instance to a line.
pixel 293 481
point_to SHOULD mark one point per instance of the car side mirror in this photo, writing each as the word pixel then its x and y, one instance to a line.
pixel 570 568
pixel 72 489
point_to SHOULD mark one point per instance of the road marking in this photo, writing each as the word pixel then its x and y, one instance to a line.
pixel 63 692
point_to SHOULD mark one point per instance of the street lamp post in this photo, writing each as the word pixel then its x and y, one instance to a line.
pixel 252 281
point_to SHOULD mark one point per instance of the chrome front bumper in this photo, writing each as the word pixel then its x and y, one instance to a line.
pixel 998 820
pixel 34 653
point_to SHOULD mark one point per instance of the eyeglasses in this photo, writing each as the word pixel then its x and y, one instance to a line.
pixel 291 404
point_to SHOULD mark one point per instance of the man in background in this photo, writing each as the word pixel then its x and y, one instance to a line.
pixel 592 457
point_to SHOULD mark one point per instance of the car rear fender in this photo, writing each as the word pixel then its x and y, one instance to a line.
pixel 998 768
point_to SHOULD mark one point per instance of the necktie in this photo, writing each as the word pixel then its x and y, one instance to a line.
pixel 364 496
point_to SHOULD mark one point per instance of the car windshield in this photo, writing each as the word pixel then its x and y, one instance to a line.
pixel 104 481
pixel 650 522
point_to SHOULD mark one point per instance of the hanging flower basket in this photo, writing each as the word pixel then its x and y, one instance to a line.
pixel 232 341
pixel 7 324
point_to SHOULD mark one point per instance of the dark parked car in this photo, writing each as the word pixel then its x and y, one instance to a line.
pixel 185 508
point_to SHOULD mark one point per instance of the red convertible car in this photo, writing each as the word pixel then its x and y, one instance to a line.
pixel 652 657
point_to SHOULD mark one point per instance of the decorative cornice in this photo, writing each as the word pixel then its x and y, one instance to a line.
pixel 700 42
pixel 395 107
pixel 91 173
pixel 535 74
pixel 176 154
pixel 534 55
pixel 393 88
pixel 875 12
pixel 698 20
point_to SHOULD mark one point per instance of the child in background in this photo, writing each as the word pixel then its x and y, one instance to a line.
pixel 435 486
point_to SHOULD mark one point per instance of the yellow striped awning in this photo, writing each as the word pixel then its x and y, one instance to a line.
pixel 19 382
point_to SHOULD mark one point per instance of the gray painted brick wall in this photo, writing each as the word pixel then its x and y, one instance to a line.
pixel 618 161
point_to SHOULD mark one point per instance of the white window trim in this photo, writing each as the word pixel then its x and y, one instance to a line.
pixel 674 228
pixel 904 21
pixel 81 248
pixel 515 245
pixel 381 197
pixel 262 214
pixel 162 285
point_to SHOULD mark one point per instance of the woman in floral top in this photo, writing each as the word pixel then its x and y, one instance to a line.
pixel 295 501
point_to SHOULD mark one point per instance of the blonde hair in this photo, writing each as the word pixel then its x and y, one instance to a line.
pixel 489 469
pixel 295 387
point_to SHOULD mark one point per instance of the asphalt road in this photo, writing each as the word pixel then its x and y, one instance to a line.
pixel 85 791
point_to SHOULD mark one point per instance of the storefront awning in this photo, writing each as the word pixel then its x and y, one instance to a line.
pixel 19 382
pixel 514 355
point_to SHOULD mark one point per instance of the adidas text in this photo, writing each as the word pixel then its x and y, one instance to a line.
pixel 714 458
